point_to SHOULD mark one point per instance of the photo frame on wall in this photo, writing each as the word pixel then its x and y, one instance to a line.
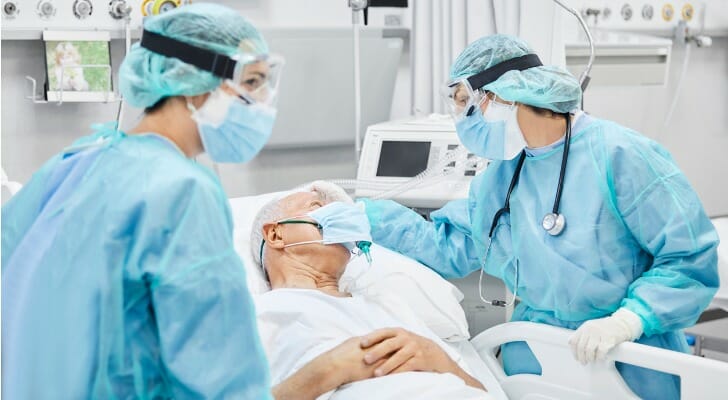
pixel 78 66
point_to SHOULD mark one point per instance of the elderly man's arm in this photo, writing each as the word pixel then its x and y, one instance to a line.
pixel 341 365
pixel 397 350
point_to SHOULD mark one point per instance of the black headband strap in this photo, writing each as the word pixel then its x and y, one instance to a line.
pixel 481 79
pixel 217 64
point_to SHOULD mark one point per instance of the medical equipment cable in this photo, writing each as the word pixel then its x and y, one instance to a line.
pixel 682 35
pixel 357 85
pixel 438 166
pixel 429 176
pixel 584 78
pixel 678 88
pixel 127 47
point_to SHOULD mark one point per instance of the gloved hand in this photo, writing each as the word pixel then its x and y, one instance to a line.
pixel 593 340
pixel 331 191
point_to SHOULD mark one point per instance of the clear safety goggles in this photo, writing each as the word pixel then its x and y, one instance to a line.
pixel 461 97
pixel 463 102
pixel 256 79
pixel 254 76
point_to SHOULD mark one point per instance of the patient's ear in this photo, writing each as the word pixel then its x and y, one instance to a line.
pixel 272 235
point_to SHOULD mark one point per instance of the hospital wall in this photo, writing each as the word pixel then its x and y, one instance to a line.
pixel 697 135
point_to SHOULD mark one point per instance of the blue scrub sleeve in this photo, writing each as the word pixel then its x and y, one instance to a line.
pixel 22 210
pixel 665 216
pixel 209 341
pixel 445 244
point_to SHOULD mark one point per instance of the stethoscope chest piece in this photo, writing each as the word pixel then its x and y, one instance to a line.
pixel 553 223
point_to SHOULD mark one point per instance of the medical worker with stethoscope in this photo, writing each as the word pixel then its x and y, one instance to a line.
pixel 592 225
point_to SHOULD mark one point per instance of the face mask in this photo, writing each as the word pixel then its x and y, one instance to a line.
pixel 232 131
pixel 340 223
pixel 495 134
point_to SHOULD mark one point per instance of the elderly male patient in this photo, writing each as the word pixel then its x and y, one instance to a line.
pixel 323 342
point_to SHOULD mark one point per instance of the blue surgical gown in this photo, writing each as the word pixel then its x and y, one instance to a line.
pixel 636 236
pixel 119 280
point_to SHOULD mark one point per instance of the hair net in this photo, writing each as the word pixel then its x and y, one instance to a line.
pixel 547 87
pixel 146 77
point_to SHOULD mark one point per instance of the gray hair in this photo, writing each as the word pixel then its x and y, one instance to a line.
pixel 272 211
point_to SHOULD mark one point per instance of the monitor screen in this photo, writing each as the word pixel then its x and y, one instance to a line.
pixel 403 159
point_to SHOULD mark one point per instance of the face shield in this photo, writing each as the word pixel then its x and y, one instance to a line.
pixel 465 95
pixel 254 76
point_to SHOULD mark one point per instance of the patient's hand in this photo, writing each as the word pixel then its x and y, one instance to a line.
pixel 403 351
pixel 395 350
pixel 341 365
pixel 348 361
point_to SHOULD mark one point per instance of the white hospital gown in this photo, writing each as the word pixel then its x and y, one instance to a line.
pixel 297 325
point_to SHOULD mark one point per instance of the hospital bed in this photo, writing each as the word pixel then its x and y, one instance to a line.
pixel 565 379
pixel 562 376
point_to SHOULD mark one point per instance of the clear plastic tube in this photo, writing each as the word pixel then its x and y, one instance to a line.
pixel 439 171
pixel 678 88
pixel 357 87
pixel 127 46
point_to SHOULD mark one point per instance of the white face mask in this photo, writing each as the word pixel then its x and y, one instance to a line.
pixel 498 111
pixel 494 134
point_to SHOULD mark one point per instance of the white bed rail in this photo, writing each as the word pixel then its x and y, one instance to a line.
pixel 564 378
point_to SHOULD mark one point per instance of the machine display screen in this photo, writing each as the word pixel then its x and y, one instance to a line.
pixel 403 159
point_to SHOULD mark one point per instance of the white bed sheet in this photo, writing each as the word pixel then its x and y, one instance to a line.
pixel 410 386
pixel 297 325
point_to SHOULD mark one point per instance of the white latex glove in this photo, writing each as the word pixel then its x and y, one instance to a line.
pixel 593 340
pixel 331 191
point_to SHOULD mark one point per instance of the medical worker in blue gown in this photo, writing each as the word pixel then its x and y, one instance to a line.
pixel 119 278
pixel 626 251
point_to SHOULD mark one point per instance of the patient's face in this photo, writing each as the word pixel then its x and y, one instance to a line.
pixel 329 259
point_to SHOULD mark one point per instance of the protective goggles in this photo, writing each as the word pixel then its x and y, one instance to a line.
pixel 255 77
pixel 463 96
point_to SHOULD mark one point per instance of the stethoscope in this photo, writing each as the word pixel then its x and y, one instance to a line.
pixel 553 223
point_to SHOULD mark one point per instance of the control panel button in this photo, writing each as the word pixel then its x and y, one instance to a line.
pixel 10 9
pixel 626 12
pixel 119 9
pixel 46 9
pixel 648 12
pixel 82 9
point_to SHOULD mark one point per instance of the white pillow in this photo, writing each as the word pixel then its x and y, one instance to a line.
pixel 244 210
pixel 435 300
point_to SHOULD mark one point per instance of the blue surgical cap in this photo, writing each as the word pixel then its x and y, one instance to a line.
pixel 548 87
pixel 146 77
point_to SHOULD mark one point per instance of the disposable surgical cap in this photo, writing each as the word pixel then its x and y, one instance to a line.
pixel 549 87
pixel 146 77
